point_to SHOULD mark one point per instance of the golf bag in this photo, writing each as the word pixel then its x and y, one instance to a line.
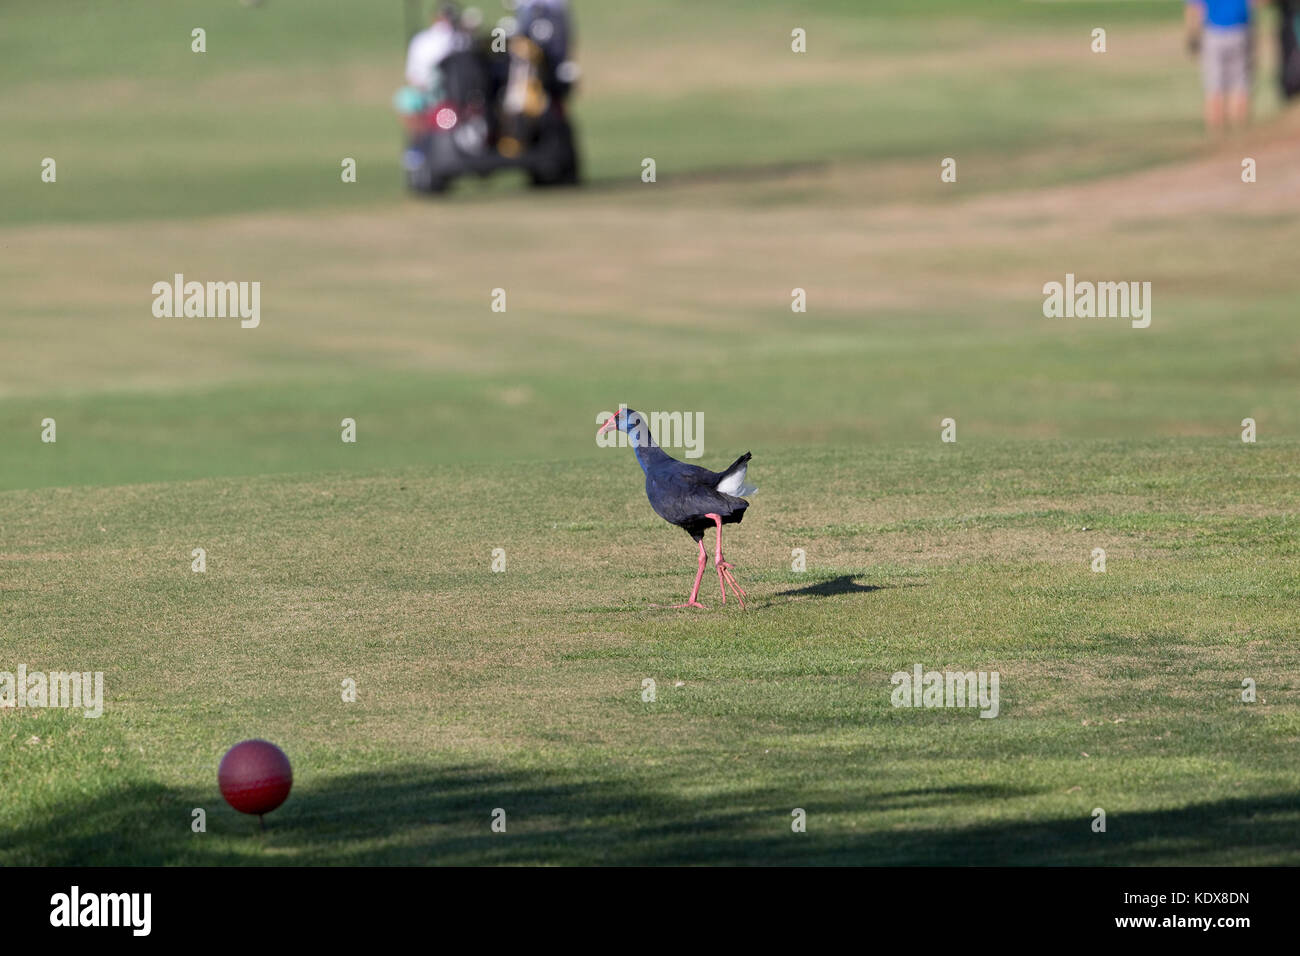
pixel 1289 26
pixel 547 24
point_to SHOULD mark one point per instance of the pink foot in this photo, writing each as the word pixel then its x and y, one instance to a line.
pixel 727 579
pixel 699 575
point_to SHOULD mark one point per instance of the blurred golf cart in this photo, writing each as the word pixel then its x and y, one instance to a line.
pixel 498 101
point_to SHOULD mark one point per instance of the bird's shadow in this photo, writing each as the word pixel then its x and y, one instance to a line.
pixel 844 584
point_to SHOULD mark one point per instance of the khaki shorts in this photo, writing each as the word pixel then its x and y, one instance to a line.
pixel 1228 59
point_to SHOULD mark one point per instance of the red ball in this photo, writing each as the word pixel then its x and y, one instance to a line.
pixel 255 776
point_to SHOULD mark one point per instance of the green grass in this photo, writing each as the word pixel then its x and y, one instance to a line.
pixel 142 127
pixel 522 690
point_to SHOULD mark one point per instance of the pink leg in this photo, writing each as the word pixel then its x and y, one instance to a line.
pixel 725 577
pixel 699 575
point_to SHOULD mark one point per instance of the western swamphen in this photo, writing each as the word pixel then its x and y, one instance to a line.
pixel 689 496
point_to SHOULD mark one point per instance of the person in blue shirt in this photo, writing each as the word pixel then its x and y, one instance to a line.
pixel 1221 31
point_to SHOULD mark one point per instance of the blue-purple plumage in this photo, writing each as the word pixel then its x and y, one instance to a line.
pixel 681 493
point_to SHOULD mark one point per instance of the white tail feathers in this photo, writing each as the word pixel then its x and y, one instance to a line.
pixel 734 484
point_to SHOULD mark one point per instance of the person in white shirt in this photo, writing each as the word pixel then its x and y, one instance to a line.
pixel 428 48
